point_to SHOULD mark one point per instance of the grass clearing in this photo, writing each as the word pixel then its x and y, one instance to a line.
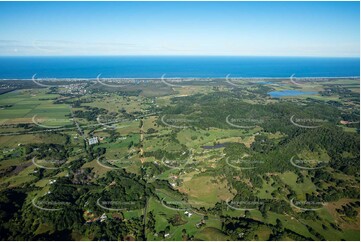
pixel 208 191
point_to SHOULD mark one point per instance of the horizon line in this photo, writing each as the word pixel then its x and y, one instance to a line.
pixel 264 56
pixel 170 78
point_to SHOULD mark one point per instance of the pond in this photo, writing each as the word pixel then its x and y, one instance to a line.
pixel 289 93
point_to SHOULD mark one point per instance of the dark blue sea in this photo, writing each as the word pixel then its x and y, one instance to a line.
pixel 176 66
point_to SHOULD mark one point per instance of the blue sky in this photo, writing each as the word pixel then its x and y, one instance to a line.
pixel 180 28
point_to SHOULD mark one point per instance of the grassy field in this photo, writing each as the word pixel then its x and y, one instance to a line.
pixel 41 138
pixel 196 138
pixel 301 189
pixel 25 104
pixel 210 233
pixel 114 103
pixel 266 190
pixel 207 192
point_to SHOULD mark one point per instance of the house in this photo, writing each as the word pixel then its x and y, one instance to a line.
pixel 344 122
pixel 103 217
pixel 189 214
pixel 240 235
pixel 93 141
pixel 200 224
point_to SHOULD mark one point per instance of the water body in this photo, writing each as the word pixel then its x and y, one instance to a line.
pixel 289 93
pixel 264 83
pixel 155 67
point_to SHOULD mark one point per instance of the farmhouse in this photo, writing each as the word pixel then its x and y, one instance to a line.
pixel 93 141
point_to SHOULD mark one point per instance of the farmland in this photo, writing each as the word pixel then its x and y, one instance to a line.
pixel 196 160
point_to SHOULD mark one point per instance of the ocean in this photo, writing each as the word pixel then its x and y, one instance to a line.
pixel 176 66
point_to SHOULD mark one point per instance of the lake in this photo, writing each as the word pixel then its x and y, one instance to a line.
pixel 289 93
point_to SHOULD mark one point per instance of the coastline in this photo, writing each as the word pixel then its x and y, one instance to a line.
pixel 173 78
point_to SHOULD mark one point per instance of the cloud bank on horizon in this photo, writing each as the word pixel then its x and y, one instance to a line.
pixel 180 28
